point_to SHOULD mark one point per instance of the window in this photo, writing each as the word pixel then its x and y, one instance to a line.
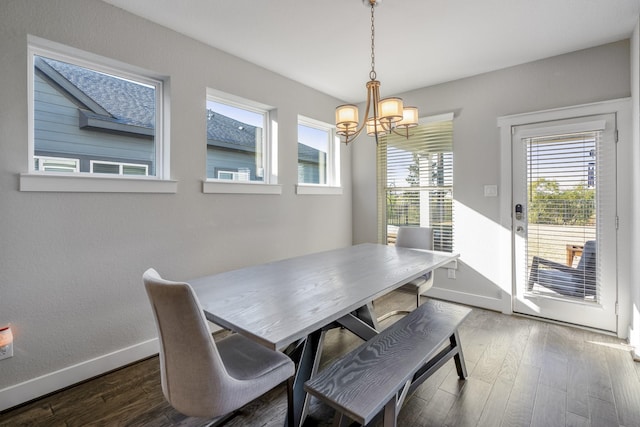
pixel 237 140
pixel 119 168
pixel 242 174
pixel 317 148
pixel 56 164
pixel 91 115
pixel 415 181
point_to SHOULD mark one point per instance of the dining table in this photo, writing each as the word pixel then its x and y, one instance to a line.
pixel 290 304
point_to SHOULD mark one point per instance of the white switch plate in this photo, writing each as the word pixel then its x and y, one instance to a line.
pixel 490 191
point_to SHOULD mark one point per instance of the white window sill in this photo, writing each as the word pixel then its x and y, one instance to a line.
pixel 74 183
pixel 318 189
pixel 216 187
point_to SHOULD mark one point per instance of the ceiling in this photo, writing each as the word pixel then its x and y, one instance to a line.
pixel 326 44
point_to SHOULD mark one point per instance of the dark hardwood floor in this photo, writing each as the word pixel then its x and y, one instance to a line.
pixel 522 372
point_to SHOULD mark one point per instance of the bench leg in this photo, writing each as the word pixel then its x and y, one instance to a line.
pixel 458 358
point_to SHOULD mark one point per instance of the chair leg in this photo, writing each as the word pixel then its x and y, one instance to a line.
pixel 290 415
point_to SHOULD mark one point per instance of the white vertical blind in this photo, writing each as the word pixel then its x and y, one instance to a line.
pixel 415 182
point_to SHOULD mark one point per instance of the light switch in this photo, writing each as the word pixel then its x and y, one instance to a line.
pixel 490 191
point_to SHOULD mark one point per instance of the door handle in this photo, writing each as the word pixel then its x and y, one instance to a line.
pixel 519 229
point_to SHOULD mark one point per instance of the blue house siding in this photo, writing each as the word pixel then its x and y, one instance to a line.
pixel 57 133
pixel 309 172
pixel 220 159
pixel 309 161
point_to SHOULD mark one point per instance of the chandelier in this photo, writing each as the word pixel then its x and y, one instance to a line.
pixel 387 115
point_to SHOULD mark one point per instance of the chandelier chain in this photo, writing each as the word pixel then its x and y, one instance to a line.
pixel 372 73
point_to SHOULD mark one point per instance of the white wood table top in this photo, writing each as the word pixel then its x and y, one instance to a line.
pixel 281 302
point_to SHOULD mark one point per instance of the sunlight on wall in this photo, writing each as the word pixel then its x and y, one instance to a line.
pixel 478 242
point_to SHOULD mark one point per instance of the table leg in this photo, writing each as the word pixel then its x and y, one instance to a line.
pixel 461 367
pixel 367 314
pixel 361 322
pixel 307 355
pixel 307 367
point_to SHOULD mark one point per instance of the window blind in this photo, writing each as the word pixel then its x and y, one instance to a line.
pixel 415 182
pixel 562 176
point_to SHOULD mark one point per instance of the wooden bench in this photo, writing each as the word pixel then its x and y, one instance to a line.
pixel 380 373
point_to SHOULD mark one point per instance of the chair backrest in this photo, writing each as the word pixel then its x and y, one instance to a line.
pixel 192 373
pixel 588 259
pixel 415 237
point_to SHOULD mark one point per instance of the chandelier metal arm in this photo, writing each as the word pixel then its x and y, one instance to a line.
pixel 373 93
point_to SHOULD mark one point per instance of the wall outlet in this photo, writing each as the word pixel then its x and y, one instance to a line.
pixel 6 343
pixel 451 273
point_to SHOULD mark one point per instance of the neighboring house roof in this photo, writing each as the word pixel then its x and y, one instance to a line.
pixel 223 130
pixel 126 102
pixel 113 104
pixel 308 154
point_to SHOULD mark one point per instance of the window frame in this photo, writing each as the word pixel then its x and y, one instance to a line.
pixel 333 181
pixel 269 184
pixel 33 180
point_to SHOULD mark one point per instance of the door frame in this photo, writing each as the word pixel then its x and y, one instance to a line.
pixel 622 109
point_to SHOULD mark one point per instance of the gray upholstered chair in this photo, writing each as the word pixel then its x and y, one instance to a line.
pixel 574 282
pixel 205 378
pixel 416 238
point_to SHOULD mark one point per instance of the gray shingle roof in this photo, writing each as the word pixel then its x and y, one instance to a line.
pixel 221 128
pixel 127 102
pixel 133 104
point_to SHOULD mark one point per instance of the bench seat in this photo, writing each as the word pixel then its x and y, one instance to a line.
pixel 381 372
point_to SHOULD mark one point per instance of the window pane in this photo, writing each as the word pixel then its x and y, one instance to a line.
pixel 55 164
pixel 134 170
pixel 562 211
pixel 313 148
pixel 235 143
pixel 106 168
pixel 88 114
pixel 416 182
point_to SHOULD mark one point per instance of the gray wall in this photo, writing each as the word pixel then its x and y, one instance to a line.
pixel 596 74
pixel 71 263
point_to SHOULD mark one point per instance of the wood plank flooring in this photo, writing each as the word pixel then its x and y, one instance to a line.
pixel 522 372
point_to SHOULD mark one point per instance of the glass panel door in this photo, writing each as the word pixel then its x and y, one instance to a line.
pixel 564 220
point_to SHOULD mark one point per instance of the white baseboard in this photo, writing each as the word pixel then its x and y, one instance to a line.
pixel 495 304
pixel 45 384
